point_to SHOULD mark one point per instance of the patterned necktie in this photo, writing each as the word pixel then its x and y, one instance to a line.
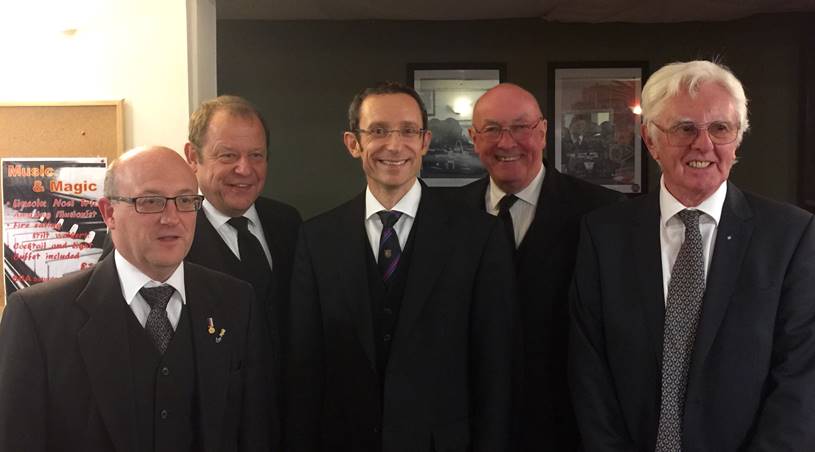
pixel 503 213
pixel 253 259
pixel 389 250
pixel 158 325
pixel 684 306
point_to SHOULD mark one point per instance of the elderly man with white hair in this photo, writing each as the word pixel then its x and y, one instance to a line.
pixel 693 308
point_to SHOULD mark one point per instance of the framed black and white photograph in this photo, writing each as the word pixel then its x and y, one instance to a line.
pixel 594 123
pixel 449 92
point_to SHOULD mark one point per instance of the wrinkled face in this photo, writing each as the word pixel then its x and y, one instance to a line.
pixel 155 243
pixel 512 163
pixel 232 170
pixel 390 164
pixel 692 173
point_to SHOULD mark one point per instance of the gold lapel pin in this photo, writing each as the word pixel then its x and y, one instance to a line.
pixel 220 336
pixel 211 326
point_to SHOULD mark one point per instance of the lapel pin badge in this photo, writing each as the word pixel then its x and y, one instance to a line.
pixel 220 336
pixel 210 326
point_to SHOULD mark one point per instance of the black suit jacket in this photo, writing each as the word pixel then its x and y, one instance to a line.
pixel 544 263
pixel 280 225
pixel 751 382
pixel 447 383
pixel 66 375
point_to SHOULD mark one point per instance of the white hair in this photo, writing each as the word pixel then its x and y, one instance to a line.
pixel 670 79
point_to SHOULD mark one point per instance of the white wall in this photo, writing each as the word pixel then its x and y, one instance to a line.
pixel 136 50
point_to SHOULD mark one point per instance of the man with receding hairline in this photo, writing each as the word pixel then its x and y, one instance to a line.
pixel 142 352
pixel 541 221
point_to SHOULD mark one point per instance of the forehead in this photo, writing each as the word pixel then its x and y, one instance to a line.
pixel 167 176
pixel 225 124
pixel 389 109
pixel 712 102
pixel 506 105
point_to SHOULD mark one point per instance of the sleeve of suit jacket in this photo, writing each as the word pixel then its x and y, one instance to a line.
pixel 303 368
pixel 598 413
pixel 787 418
pixel 22 381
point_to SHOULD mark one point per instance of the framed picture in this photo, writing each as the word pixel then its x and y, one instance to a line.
pixel 594 123
pixel 449 92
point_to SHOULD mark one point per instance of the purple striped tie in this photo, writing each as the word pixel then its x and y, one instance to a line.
pixel 389 250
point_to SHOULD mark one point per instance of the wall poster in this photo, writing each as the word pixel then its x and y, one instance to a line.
pixel 51 225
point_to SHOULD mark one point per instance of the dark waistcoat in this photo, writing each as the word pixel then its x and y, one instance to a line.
pixel 164 388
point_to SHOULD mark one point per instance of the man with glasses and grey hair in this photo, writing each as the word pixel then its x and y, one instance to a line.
pixel 401 307
pixel 693 308
pixel 540 210
pixel 143 352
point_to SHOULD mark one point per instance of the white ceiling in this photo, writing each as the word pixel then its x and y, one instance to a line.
pixel 587 11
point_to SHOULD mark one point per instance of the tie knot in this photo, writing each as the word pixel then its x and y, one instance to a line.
pixel 389 218
pixel 157 297
pixel 690 218
pixel 239 223
pixel 506 203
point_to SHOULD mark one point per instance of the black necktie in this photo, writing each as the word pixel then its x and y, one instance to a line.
pixel 158 324
pixel 253 259
pixel 503 213
pixel 389 249
pixel 682 311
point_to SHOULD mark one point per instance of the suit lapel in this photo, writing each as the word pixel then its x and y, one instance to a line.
pixel 276 246
pixel 432 239
pixel 732 240
pixel 551 212
pixel 211 360
pixel 104 348
pixel 646 246
pixel 208 246
pixel 351 243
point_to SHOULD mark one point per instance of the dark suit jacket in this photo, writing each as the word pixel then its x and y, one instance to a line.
pixel 280 225
pixel 66 375
pixel 545 261
pixel 751 382
pixel 447 383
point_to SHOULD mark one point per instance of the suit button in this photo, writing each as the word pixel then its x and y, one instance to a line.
pixel 165 371
pixel 164 414
pixel 387 338
pixel 388 311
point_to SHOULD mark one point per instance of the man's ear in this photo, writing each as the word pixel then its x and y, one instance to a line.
pixel 192 156
pixel 426 139
pixel 106 209
pixel 352 144
pixel 649 142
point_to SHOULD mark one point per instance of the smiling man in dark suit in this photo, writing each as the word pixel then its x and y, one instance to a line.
pixel 401 307
pixel 239 232
pixel 142 352
pixel 541 211
pixel 694 307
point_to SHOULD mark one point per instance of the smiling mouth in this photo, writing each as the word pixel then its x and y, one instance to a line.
pixel 699 164
pixel 393 162
pixel 507 158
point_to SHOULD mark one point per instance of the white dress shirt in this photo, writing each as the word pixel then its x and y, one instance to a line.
pixel 672 229
pixel 408 205
pixel 131 280
pixel 230 235
pixel 523 211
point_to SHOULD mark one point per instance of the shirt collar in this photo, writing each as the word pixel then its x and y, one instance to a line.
pixel 530 194
pixel 408 205
pixel 131 279
pixel 218 219
pixel 670 206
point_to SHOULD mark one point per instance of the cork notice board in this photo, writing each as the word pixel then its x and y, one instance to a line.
pixel 66 129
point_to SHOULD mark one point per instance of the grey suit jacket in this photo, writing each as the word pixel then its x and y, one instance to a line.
pixel 751 382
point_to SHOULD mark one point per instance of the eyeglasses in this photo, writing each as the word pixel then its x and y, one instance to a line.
pixel 381 133
pixel 156 204
pixel 518 132
pixel 685 133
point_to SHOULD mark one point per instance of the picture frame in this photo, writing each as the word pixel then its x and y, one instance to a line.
pixel 449 91
pixel 594 123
